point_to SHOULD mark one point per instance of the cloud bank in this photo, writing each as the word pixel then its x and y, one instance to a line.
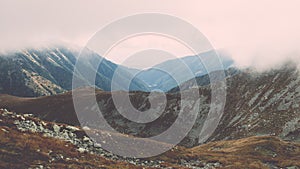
pixel 260 33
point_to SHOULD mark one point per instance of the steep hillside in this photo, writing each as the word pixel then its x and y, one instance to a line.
pixel 266 103
pixel 48 71
pixel 261 103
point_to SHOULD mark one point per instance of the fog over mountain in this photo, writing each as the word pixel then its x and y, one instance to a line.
pixel 256 33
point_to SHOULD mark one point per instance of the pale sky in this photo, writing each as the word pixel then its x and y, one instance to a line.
pixel 259 33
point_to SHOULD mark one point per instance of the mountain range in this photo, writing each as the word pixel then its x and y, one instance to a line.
pixel 171 73
pixel 48 71
pixel 256 104
pixel 259 127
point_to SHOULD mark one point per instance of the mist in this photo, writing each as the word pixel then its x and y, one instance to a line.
pixel 258 33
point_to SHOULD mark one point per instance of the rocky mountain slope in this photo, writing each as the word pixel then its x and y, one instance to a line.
pixel 256 104
pixel 28 142
pixel 261 103
pixel 48 71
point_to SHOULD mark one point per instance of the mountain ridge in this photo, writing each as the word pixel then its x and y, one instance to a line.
pixel 258 106
pixel 49 70
pixel 37 72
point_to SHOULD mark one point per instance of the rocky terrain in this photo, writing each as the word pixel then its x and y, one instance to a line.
pixel 28 142
pixel 261 103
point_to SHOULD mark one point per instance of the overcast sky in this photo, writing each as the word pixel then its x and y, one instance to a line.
pixel 254 32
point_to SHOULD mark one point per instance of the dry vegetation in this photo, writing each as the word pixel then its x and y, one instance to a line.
pixel 252 152
pixel 26 149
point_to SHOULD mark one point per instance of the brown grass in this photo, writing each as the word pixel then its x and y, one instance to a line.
pixel 25 149
pixel 252 152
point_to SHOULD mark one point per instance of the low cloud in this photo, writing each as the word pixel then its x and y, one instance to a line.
pixel 260 33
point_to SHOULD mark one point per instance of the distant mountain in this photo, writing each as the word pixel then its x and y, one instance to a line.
pixel 164 75
pixel 48 71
